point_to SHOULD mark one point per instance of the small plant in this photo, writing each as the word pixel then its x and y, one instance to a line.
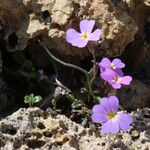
pixel 31 99
pixel 106 112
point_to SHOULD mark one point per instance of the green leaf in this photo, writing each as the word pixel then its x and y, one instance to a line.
pixel 37 99
pixel 31 96
pixel 27 98
pixel 97 99
pixel 77 104
pixel 31 99
pixel 84 122
pixel 70 97
pixel 54 104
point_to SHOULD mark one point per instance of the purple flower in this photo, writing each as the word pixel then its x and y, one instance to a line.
pixel 81 39
pixel 116 64
pixel 115 78
pixel 107 114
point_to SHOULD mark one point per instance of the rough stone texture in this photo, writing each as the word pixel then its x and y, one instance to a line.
pixel 3 89
pixel 136 95
pixel 27 19
pixel 35 129
pixel 139 48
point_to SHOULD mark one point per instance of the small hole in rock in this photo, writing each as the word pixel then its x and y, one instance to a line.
pixel 103 144
pixel 9 130
pixel 35 144
pixel 41 126
pixel 47 134
pixel 45 14
pixel 17 144
pixel 59 143
pixel 13 40
pixel 12 132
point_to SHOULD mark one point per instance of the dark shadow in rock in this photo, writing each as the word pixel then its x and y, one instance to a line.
pixel 47 134
pixel 121 146
pixel 13 40
pixel 35 143
pixel 17 144
pixel 136 54
pixel 41 126
pixel 8 129
pixel 45 15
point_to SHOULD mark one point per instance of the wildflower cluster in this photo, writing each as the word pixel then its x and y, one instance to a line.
pixel 106 112
pixel 112 73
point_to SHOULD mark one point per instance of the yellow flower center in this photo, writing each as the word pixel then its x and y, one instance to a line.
pixel 111 115
pixel 117 79
pixel 85 36
pixel 112 66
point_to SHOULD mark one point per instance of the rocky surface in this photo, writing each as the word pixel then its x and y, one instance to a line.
pixel 125 25
pixel 36 129
pixel 136 95
pixel 23 20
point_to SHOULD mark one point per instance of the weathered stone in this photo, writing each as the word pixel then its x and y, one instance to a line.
pixel 28 21
pixel 137 95
pixel 36 129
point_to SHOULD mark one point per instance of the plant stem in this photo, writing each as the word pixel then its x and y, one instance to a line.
pixel 75 67
pixel 64 63
pixel 91 50
pixel 112 92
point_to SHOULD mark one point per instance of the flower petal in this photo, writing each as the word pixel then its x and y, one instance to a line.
pixel 126 80
pixel 98 118
pixel 124 120
pixel 95 36
pixel 104 102
pixel 108 74
pixel 98 109
pixel 74 37
pixel 115 85
pixel 72 34
pixel 114 103
pixel 102 69
pixel 111 126
pixel 86 26
pixel 118 63
pixel 80 43
pixel 119 72
pixel 105 63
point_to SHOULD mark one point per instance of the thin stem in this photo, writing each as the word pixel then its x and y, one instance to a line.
pixel 94 68
pixel 75 67
pixel 112 92
pixel 64 63
pixel 91 50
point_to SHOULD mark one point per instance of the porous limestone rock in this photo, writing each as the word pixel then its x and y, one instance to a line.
pixel 27 19
pixel 36 129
